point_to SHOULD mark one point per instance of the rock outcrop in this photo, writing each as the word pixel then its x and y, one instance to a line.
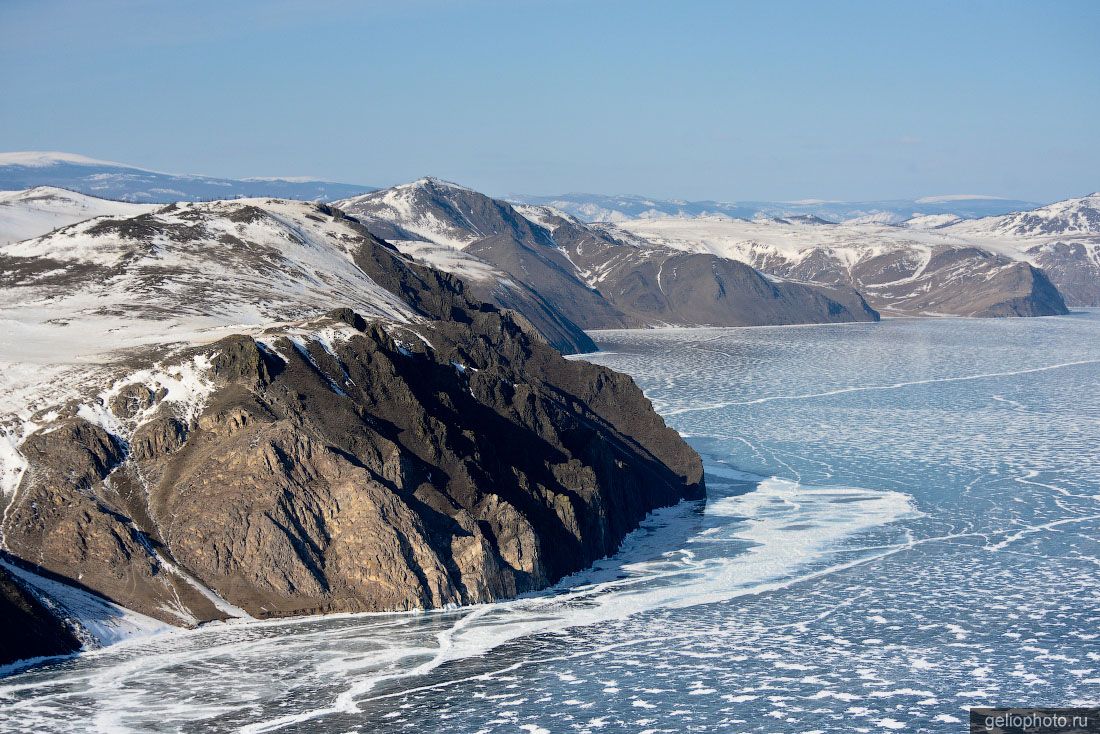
pixel 1072 266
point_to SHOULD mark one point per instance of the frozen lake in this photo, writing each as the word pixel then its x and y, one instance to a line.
pixel 903 520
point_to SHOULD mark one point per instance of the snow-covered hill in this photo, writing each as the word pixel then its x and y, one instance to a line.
pixel 899 270
pixel 1062 238
pixel 431 210
pixel 202 265
pixel 34 212
pixel 1071 217
pixel 30 169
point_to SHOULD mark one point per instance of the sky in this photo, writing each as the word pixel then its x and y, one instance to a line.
pixel 776 100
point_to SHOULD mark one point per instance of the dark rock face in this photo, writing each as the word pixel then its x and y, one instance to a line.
pixel 551 322
pixel 967 281
pixel 456 478
pixel 1031 293
pixel 594 279
pixel 30 630
pixel 369 473
pixel 1074 267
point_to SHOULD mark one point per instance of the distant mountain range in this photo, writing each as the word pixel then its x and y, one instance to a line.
pixel 599 208
pixel 124 182
pixel 899 271
pixel 24 170
pixel 653 262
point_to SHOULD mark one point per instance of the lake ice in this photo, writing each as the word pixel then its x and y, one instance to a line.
pixel 903 520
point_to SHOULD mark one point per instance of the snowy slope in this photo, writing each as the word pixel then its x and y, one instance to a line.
pixel 451 260
pixel 1023 234
pixel 1071 217
pixel 181 270
pixel 428 209
pixel 35 212
pixel 96 621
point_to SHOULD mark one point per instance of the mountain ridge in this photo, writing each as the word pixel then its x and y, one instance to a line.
pixel 596 280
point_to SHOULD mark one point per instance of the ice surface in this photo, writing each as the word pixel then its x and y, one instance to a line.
pixel 902 521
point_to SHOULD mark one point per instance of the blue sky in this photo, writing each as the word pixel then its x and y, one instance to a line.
pixel 723 100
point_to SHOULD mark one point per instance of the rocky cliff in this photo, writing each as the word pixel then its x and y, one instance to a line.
pixel 417 449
